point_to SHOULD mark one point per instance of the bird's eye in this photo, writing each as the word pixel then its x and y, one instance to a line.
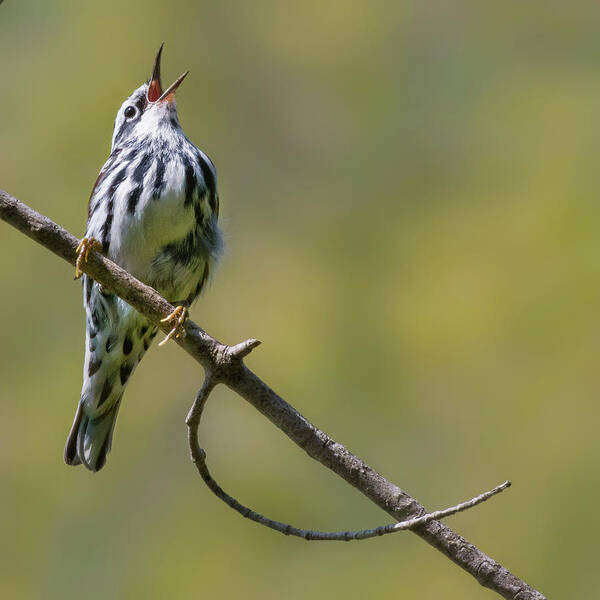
pixel 130 112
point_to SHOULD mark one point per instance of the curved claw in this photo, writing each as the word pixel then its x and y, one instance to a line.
pixel 83 251
pixel 179 316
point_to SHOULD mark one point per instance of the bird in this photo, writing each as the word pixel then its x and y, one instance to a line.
pixel 153 210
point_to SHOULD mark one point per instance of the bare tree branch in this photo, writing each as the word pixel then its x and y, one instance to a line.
pixel 225 365
pixel 199 459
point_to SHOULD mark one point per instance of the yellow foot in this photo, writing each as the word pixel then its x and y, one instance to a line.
pixel 179 315
pixel 83 251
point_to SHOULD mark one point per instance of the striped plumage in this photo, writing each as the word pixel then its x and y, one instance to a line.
pixel 154 210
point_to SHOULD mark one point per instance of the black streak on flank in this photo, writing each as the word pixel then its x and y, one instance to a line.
pixel 191 183
pixel 213 201
pixel 142 168
pixel 208 174
pixel 138 177
pixel 125 372
pixel 159 180
pixel 203 280
pixel 198 213
pixel 183 251
pixel 210 181
pixel 133 199
pixel 106 229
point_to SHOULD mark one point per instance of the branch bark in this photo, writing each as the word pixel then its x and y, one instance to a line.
pixel 225 363
pixel 198 456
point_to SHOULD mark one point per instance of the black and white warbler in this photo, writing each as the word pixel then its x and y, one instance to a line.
pixel 153 210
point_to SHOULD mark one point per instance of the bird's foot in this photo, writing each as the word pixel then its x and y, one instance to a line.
pixel 83 251
pixel 178 316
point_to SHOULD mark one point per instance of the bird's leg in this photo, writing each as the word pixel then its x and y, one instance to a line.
pixel 178 316
pixel 83 251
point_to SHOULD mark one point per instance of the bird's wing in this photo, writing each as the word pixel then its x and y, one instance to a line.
pixel 108 166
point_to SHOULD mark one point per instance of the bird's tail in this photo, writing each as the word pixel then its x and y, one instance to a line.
pixel 90 438
pixel 116 339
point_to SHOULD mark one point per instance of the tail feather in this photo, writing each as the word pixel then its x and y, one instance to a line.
pixel 116 339
pixel 94 437
pixel 71 456
pixel 90 438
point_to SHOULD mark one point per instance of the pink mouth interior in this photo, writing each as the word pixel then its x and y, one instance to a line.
pixel 154 91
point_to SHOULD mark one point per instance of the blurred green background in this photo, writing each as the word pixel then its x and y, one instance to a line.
pixel 410 198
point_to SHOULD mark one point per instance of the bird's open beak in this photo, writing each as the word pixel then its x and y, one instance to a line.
pixel 169 94
pixel 155 93
pixel 155 87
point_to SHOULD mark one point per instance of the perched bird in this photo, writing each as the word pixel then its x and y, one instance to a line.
pixel 153 210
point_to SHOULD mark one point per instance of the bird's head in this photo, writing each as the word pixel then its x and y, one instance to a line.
pixel 149 110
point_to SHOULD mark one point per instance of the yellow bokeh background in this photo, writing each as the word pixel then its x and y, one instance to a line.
pixel 409 192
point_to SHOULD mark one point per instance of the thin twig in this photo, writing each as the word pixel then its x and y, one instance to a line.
pixel 219 359
pixel 199 458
